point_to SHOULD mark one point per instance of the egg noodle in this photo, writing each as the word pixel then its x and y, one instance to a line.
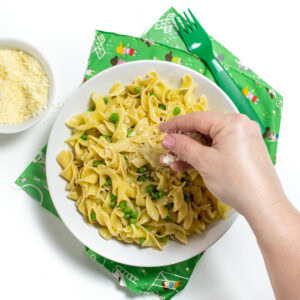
pixel 114 172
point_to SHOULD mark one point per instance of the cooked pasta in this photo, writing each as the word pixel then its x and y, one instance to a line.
pixel 114 173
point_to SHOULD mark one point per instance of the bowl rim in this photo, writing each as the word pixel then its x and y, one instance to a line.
pixel 19 44
pixel 232 214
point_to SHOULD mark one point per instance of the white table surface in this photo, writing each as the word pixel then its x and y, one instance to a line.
pixel 39 257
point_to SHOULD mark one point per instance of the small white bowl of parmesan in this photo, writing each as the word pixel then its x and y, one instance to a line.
pixel 26 86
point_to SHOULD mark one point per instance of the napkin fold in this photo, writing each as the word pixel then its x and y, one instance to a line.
pixel 161 42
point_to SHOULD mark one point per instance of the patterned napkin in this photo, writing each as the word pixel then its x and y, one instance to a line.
pixel 110 49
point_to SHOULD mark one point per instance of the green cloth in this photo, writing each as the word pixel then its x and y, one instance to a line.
pixel 108 51
pixel 264 99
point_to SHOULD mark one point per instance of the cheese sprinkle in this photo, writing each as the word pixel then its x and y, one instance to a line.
pixel 24 86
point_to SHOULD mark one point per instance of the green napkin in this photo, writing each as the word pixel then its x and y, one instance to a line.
pixel 110 49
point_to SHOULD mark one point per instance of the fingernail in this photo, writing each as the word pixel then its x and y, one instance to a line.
pixel 168 142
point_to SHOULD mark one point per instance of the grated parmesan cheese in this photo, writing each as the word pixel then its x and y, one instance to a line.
pixel 170 157
pixel 24 87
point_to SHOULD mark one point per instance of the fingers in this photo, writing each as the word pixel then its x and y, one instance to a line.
pixel 181 166
pixel 178 166
pixel 201 121
pixel 187 149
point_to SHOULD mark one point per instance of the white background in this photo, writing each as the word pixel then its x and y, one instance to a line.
pixel 39 258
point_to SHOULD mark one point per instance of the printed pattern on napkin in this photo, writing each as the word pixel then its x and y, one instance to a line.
pixel 162 281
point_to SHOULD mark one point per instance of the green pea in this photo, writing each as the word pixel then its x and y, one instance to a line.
pixel 132 220
pixel 161 193
pixel 112 204
pixel 164 239
pixel 134 213
pixel 117 123
pixel 107 137
pixel 123 204
pixel 127 210
pixel 105 100
pixel 167 219
pixel 141 178
pixel 107 182
pixel 126 216
pixel 142 241
pixel 147 227
pixel 97 163
pixel 153 94
pixel 187 199
pixel 176 111
pixel 129 132
pixel 84 137
pixel 162 106
pixel 137 90
pixel 156 195
pixel 89 110
pixel 149 189
pixel 169 206
pixel 93 216
pixel 113 197
pixel 142 169
pixel 114 117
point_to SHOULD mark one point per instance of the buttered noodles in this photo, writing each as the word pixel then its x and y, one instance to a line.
pixel 114 172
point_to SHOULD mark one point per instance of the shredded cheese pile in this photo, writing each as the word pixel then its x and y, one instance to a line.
pixel 24 87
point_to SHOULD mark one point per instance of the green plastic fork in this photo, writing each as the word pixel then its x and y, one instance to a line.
pixel 198 42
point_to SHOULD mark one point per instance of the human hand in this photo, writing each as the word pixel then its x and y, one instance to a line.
pixel 237 168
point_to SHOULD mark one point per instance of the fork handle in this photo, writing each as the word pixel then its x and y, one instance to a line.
pixel 226 83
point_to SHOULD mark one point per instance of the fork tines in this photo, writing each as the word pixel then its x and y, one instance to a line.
pixel 186 25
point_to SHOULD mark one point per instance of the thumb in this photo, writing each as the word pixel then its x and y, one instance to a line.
pixel 188 150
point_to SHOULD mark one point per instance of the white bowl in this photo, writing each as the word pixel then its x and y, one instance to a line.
pixel 24 46
pixel 128 254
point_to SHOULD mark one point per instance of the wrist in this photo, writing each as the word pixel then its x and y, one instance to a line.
pixel 269 210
